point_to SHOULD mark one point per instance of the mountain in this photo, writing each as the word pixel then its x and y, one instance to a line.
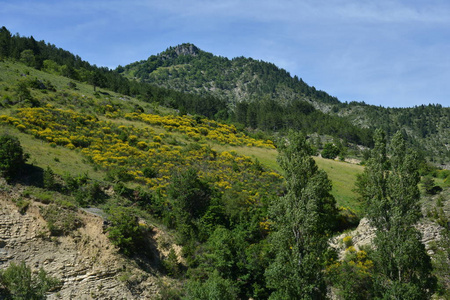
pixel 427 127
pixel 116 188
pixel 189 69
pixel 251 88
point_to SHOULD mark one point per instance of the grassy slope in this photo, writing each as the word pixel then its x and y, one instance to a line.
pixel 343 175
pixel 61 159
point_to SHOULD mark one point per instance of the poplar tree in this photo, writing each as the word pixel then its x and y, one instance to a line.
pixel 389 188
pixel 302 218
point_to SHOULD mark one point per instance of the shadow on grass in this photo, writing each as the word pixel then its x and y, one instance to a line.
pixel 30 175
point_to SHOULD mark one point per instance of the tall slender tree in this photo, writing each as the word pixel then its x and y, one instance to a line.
pixel 389 187
pixel 301 219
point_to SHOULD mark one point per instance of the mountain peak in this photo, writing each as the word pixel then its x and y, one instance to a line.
pixel 183 49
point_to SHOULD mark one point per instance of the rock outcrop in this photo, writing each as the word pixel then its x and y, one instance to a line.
pixel 88 266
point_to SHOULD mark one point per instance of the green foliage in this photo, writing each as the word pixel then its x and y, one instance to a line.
pixel 171 264
pixel 124 231
pixel 85 190
pixel 430 186
pixel 60 221
pixel 18 282
pixel 353 276
pixel 22 205
pixel 330 151
pixel 221 208
pixel 302 218
pixel 12 158
pixel 49 179
pixel 27 57
pixel 389 187
pixel 441 263
pixel 215 287
pixel 22 92
pixel 190 197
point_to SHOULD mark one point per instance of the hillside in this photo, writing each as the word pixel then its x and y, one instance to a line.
pixel 105 150
pixel 187 68
pixel 143 196
pixel 253 88
pixel 427 126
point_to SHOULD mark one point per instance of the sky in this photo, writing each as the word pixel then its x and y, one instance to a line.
pixel 393 53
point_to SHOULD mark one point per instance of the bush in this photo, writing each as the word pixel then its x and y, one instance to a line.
pixel 171 265
pixel 215 287
pixel 330 151
pixel 90 193
pixel 12 158
pixel 124 231
pixel 49 179
pixel 18 282
pixel 60 221
pixel 429 186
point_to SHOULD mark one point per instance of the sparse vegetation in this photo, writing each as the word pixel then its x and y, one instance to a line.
pixel 18 282
pixel 60 221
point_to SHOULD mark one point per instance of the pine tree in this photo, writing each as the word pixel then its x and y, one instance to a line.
pixel 302 219
pixel 389 187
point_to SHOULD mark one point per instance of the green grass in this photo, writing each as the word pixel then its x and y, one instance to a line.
pixel 63 160
pixel 342 175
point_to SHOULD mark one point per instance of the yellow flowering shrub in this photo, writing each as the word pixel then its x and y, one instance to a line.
pixel 109 145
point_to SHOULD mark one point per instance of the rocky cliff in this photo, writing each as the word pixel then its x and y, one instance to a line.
pixel 88 266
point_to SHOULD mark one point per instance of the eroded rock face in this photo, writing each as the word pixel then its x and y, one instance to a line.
pixel 364 234
pixel 88 265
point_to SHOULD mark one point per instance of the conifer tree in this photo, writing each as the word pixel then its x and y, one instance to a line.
pixel 389 187
pixel 301 220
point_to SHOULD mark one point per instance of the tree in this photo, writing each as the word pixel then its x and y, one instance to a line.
pixel 429 185
pixel 5 42
pixel 49 179
pixel 215 287
pixel 19 283
pixel 330 151
pixel 27 57
pixel 124 231
pixel 12 158
pixel 190 197
pixel 22 92
pixel 389 187
pixel 302 218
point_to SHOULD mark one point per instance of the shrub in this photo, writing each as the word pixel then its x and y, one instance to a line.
pixel 18 282
pixel 59 220
pixel 90 193
pixel 22 205
pixel 124 231
pixel 171 265
pixel 149 172
pixel 12 158
pixel 348 241
pixel 330 151
pixel 49 179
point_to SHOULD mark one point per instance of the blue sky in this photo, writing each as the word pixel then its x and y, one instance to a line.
pixel 385 52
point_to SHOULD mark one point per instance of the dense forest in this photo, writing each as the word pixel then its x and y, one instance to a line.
pixel 158 161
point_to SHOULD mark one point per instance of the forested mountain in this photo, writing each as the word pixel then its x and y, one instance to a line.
pixel 427 127
pixel 187 68
pixel 137 194
pixel 261 95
